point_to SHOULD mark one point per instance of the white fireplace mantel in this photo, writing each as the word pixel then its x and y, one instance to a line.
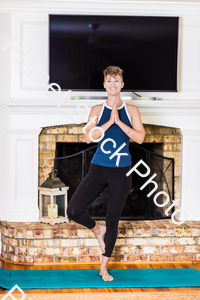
pixel 184 114
pixel 21 122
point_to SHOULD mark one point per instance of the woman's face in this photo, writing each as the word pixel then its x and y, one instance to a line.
pixel 113 85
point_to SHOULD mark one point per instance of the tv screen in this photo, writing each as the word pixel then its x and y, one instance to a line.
pixel 82 46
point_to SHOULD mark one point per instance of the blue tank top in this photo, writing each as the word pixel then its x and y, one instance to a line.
pixel 115 133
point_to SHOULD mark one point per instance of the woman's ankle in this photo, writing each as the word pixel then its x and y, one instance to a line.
pixel 95 229
pixel 104 264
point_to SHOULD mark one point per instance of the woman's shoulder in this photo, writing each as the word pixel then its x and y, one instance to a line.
pixel 97 108
pixel 132 109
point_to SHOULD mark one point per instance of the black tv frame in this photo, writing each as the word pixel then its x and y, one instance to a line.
pixel 125 89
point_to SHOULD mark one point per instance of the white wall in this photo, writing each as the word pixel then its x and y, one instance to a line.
pixel 4 160
pixel 5 61
pixel 29 22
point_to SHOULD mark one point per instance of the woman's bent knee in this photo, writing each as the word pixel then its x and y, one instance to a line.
pixel 71 212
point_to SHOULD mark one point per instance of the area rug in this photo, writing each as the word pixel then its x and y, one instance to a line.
pixel 190 295
pixel 90 278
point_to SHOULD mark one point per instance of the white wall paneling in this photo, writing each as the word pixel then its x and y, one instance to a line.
pixel 25 107
pixel 23 175
pixel 190 177
pixel 4 161
pixel 30 24
pixel 5 57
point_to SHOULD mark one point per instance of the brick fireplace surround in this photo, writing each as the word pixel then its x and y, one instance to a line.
pixel 49 136
pixel 31 242
pixel 156 240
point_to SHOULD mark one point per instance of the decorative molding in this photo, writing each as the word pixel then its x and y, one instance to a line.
pixel 191 212
pixel 26 131
pixel 28 59
pixel 23 214
pixel 23 173
pixel 23 15
pixel 103 7
pixel 53 102
pixel 151 107
pixel 190 132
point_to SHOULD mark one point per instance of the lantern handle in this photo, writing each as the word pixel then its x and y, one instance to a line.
pixel 53 173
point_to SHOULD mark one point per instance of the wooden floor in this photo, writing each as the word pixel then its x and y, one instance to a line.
pixel 97 266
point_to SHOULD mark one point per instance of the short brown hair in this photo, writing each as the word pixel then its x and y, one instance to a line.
pixel 113 71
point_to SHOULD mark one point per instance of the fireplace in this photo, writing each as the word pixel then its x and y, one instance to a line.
pixel 72 156
pixel 30 131
pixel 73 160
pixel 23 122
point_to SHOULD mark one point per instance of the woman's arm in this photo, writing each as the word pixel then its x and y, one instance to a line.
pixel 95 111
pixel 137 132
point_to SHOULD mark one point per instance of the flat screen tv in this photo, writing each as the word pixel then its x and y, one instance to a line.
pixel 82 46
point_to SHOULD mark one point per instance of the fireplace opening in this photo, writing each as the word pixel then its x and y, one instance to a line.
pixel 72 160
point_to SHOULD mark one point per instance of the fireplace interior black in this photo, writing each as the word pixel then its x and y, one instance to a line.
pixel 73 160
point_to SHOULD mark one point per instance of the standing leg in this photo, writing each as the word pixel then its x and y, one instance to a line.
pixel 119 186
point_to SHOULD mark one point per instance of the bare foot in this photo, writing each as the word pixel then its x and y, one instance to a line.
pixel 100 235
pixel 105 275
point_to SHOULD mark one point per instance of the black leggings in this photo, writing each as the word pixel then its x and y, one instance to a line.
pixel 118 187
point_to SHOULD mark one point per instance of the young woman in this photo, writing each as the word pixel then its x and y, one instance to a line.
pixel 109 165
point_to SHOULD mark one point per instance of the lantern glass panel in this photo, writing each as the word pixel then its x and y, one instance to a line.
pixel 60 201
pixel 46 200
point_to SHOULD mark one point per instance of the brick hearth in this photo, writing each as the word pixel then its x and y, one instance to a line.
pixel 159 240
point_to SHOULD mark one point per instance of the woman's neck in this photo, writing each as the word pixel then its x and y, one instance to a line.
pixel 112 100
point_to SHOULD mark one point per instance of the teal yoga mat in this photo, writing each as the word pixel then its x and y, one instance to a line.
pixel 90 278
